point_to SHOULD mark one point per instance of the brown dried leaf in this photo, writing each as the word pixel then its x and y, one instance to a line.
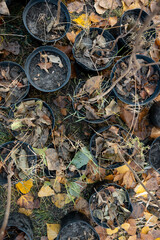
pixel 112 21
pixel 147 236
pixel 91 112
pixel 45 66
pixel 52 159
pixel 92 84
pixel 138 210
pixel 20 236
pixel 64 111
pixel 129 180
pixel 102 232
pixel 155 132
pixel 3 8
pixel 95 18
pixel 82 206
pixel 26 201
pixel 75 6
pixel 152 184
pixel 128 2
pixel 60 101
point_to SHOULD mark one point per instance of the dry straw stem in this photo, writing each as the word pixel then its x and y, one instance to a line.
pixel 138 179
pixel 7 212
pixel 133 55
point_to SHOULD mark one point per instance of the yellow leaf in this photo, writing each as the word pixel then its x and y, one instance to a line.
pixel 61 199
pixel 151 218
pixel 122 238
pixel 26 201
pixel 56 185
pixel 125 226
pixel 27 212
pixel 122 169
pixel 83 21
pixel 52 231
pixel 135 4
pixel 145 230
pixel 109 177
pixel 45 191
pixel 88 180
pixel 157 239
pixel 139 188
pixel 24 186
pixel 111 232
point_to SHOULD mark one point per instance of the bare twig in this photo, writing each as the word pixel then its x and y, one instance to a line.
pixel 58 13
pixel 6 216
pixel 138 179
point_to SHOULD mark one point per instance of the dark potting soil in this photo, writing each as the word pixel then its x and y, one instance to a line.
pixel 131 21
pixel 40 18
pixel 77 231
pixel 138 86
pixel 13 85
pixel 54 75
pixel 154 155
pixel 15 233
pixel 94 50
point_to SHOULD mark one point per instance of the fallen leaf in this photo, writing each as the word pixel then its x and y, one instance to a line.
pixel 61 199
pixel 45 191
pixel 132 229
pixel 152 184
pixel 27 212
pixel 81 158
pixel 44 238
pixel 135 4
pixel 111 232
pixel 129 180
pixel 55 59
pixel 155 132
pixel 83 21
pixel 128 2
pixel 133 237
pixel 52 230
pixel 95 18
pixel 138 210
pixel 92 84
pixel 155 233
pixel 71 36
pixel 82 206
pixel 123 169
pixel 3 8
pixel 101 232
pixel 52 159
pixel 26 201
pixel 150 217
pixel 25 186
pixel 112 21
pixel 146 236
pixel 45 66
pixel 125 226
pixel 55 184
pixel 145 230
pixel 75 7
pixel 64 111
pixel 60 101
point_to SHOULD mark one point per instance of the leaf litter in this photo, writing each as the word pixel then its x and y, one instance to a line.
pixel 13 84
pixel 32 121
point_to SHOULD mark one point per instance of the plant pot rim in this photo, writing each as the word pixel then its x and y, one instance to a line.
pixel 80 115
pixel 30 236
pixel 112 166
pixel 28 84
pixel 149 99
pixel 21 144
pixel 54 2
pixel 106 32
pixel 130 207
pixel 128 12
pixel 84 221
pixel 50 49
pixel 150 161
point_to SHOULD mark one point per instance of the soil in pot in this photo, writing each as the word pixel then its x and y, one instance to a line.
pixel 154 114
pixel 102 108
pixel 136 87
pixel 134 19
pixel 42 21
pixel 15 233
pixel 48 70
pixel 110 206
pixel 105 143
pixel 93 49
pixel 77 231
pixel 154 154
pixel 13 84
pixel 32 122
pixel 21 157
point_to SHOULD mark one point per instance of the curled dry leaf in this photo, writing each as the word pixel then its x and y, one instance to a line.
pixel 3 8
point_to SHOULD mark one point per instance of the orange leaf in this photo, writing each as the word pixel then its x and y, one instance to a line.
pixel 155 131
pixel 129 180
pixel 24 186
pixel 125 226
pixel 112 21
pixel 95 18
pixel 132 229
pixel 101 232
pixel 122 169
pixel 45 66
pixel 145 230
pixel 71 36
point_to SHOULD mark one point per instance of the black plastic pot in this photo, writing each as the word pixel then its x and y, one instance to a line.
pixel 107 36
pixel 32 161
pixel 149 99
pixel 150 34
pixel 22 223
pixel 11 65
pixel 154 154
pixel 75 218
pixel 93 144
pixel 127 204
pixel 11 113
pixel 54 2
pixel 65 61
pixel 80 114
pixel 154 114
